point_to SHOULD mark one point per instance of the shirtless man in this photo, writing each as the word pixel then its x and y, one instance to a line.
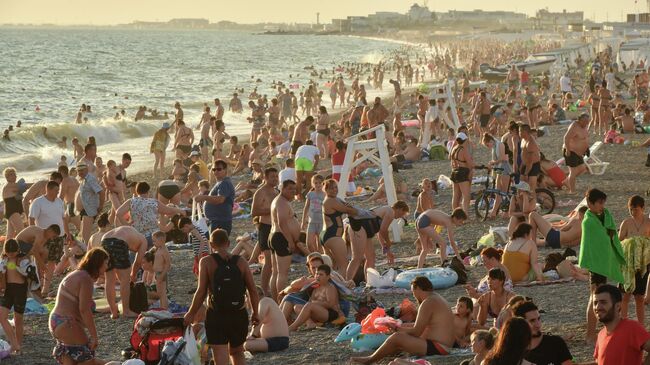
pixel 576 145
pixel 218 109
pixel 69 187
pixel 429 237
pixel 398 91
pixel 323 305
pixel 206 142
pixel 37 189
pixel 235 105
pixel 431 333
pixel 78 149
pixel 32 242
pixel 118 242
pixel 274 113
pixel 183 139
pixel 285 231
pixel 12 195
pixel 626 121
pixel 271 334
pixel 300 134
pixel 567 236
pixel 89 158
pixel 411 152
pixel 482 112
pixel 423 106
pixel 530 157
pixel 261 212
pixel 377 114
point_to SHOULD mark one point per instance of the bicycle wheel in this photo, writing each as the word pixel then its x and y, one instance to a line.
pixel 545 201
pixel 483 204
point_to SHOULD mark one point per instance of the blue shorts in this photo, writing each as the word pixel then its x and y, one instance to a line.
pixel 553 238
pixel 423 221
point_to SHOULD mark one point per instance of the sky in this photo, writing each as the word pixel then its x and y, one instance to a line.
pixel 107 12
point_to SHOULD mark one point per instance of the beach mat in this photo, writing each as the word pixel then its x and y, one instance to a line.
pixel 544 283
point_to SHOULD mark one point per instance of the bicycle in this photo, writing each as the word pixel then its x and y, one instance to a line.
pixel 485 198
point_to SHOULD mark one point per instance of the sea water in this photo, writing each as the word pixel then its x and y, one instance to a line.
pixel 46 74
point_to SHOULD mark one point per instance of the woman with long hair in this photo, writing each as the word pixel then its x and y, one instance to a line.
pixel 511 345
pixel 461 172
pixel 72 315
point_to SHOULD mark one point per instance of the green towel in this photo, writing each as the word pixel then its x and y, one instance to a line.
pixel 637 258
pixel 598 252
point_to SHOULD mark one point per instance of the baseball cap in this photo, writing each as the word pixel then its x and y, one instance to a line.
pixel 462 136
pixel 523 186
pixel 195 153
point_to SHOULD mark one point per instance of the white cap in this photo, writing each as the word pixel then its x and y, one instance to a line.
pixel 523 186
pixel 195 153
pixel 462 136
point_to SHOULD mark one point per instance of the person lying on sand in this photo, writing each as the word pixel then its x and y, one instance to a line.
pixel 567 236
pixel 271 334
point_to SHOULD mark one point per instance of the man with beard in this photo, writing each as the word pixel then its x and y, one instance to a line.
pixel 544 349
pixel 621 340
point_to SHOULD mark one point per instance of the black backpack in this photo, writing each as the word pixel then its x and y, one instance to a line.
pixel 228 287
pixel 138 301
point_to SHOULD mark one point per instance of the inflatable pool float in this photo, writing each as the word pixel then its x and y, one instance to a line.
pixel 440 277
pixel 360 342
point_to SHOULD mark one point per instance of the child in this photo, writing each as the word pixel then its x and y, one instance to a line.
pixel 425 202
pixel 612 135
pixel 73 252
pixel 149 277
pixel 463 320
pixel 63 161
pixel 312 215
pixel 161 266
pixel 14 284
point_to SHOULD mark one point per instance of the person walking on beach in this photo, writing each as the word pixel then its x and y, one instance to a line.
pixel 600 251
pixel 13 205
pixel 158 147
pixel 183 140
pixel 219 203
pixel 300 134
pixel 218 109
pixel 576 145
pixel 179 114
pixel 226 322
pixel 261 213
pixel 91 196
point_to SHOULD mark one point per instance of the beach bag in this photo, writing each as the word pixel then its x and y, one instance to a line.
pixel 198 217
pixel 138 298
pixel 228 287
pixel 437 153
pixel 148 346
pixel 377 280
pixel 457 265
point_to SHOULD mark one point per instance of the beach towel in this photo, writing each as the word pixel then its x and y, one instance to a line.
pixel 636 251
pixel 32 306
pixel 600 248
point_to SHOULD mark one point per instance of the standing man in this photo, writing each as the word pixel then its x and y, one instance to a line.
pixel 543 349
pixel 300 134
pixel 565 84
pixel 218 109
pixel 285 232
pixel 205 143
pixel 377 114
pixel 306 163
pixel 482 111
pixel 218 204
pixel 117 243
pixel 91 196
pixel 429 117
pixel 90 154
pixel 179 114
pixel 530 158
pixel 620 341
pixel 46 210
pixel 600 251
pixel 235 105
pixel 226 322
pixel 261 212
pixel 576 145
pixel 68 188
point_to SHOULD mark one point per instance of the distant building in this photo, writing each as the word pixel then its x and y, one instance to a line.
pixel 189 23
pixel 420 14
pixel 545 19
pixel 480 16
pixel 643 18
pixel 358 23
pixel 383 19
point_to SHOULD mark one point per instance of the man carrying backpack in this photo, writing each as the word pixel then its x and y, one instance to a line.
pixel 226 278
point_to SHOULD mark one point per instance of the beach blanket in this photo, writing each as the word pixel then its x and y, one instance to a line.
pixel 544 283
pixel 600 248
pixel 636 251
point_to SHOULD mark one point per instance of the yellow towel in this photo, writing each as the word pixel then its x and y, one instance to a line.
pixel 636 251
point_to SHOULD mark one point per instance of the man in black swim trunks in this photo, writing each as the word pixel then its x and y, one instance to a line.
pixel 118 242
pixel 429 336
pixel 261 213
pixel 530 157
pixel 576 145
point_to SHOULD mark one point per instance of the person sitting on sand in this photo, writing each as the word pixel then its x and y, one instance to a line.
pixel 429 237
pixel 520 255
pixel 521 205
pixel 491 258
pixel 323 305
pixel 72 316
pixel 118 242
pixel 428 336
pixel 271 334
pixel 567 236
pixel 482 343
pixel 511 345
pixel 493 301
pixel 411 153
pixel 463 320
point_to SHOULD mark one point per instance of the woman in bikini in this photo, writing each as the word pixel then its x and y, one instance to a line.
pixel 594 101
pixel 461 168
pixel 72 316
pixel 13 199
pixel 332 239
pixel 323 131
pixel 604 109
pixel 492 302
pixel 219 138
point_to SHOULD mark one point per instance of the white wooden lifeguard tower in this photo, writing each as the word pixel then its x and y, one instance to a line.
pixel 376 151
pixel 450 101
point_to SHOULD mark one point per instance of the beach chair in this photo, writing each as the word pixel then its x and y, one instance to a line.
pixel 595 165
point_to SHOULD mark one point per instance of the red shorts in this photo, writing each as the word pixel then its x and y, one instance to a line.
pixel 195 267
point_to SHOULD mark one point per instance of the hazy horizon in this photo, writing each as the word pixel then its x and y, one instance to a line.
pixel 78 12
